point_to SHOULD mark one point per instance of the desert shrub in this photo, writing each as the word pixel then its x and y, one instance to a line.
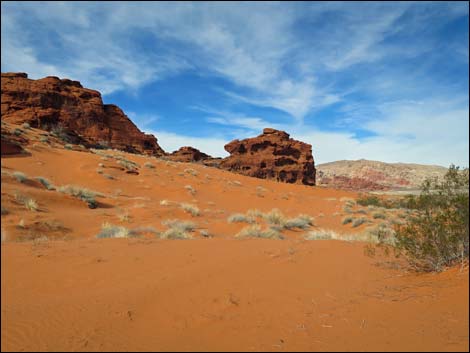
pixel 260 191
pixel 358 221
pixel 254 213
pixel 191 190
pixel 26 126
pixel 99 171
pixel 81 193
pixel 164 203
pixel 255 231
pixel 4 211
pixel 275 217
pixel 177 229
pixel 191 171
pixel 47 184
pixel 301 221
pixel 361 211
pixel 367 200
pixel 129 165
pixel 111 231
pixel 189 208
pixel 240 217
pixel 204 233
pixel 21 177
pixel 408 202
pixel 347 220
pixel 30 204
pixel 438 234
pixel 321 234
pixel 149 165
pixel 17 132
pixel 43 139
pixel 379 215
pixel 68 146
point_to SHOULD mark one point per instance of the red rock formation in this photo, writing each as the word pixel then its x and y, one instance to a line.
pixel 80 112
pixel 188 154
pixel 271 155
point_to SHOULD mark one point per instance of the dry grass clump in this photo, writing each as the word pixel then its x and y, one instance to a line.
pixel 31 204
pixel 361 211
pixel 191 190
pixel 301 221
pixel 235 183
pixel 47 184
pixel 347 220
pixel 109 230
pixel 129 165
pixel 260 191
pixel 190 208
pixel 165 203
pixel 177 229
pixel 240 217
pixel 81 193
pixel 275 218
pixel 124 217
pixel 255 231
pixel 379 215
pixel 191 171
pixel 328 234
pixel 21 177
pixel 149 165
pixel 358 221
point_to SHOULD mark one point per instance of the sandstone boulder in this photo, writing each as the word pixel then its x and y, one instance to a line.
pixel 271 155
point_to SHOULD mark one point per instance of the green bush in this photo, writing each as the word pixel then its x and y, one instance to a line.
pixel 437 235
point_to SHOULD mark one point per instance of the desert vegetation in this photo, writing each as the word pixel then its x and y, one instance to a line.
pixel 437 235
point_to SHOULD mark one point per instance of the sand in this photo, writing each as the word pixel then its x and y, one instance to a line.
pixel 64 289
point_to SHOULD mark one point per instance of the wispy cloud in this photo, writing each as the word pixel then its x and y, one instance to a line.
pixel 328 68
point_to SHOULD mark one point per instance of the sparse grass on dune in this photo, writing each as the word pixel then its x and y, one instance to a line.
pixel 21 177
pixel 358 221
pixel 302 222
pixel 191 171
pixel 255 231
pixel 240 217
pixel 189 208
pixel 191 190
pixel 328 234
pixel 81 193
pixel 111 231
pixel 31 204
pixel 47 184
pixel 275 221
pixel 177 229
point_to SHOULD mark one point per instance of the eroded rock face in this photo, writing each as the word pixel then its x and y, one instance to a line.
pixel 51 102
pixel 271 155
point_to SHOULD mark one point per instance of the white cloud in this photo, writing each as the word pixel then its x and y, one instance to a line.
pixel 171 142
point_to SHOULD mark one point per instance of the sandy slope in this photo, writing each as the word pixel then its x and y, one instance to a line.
pixel 75 292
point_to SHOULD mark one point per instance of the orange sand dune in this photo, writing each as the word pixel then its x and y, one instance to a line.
pixel 63 289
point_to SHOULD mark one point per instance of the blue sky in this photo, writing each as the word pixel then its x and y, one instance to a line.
pixel 382 81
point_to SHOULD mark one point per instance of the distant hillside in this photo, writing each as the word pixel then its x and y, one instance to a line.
pixel 373 175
